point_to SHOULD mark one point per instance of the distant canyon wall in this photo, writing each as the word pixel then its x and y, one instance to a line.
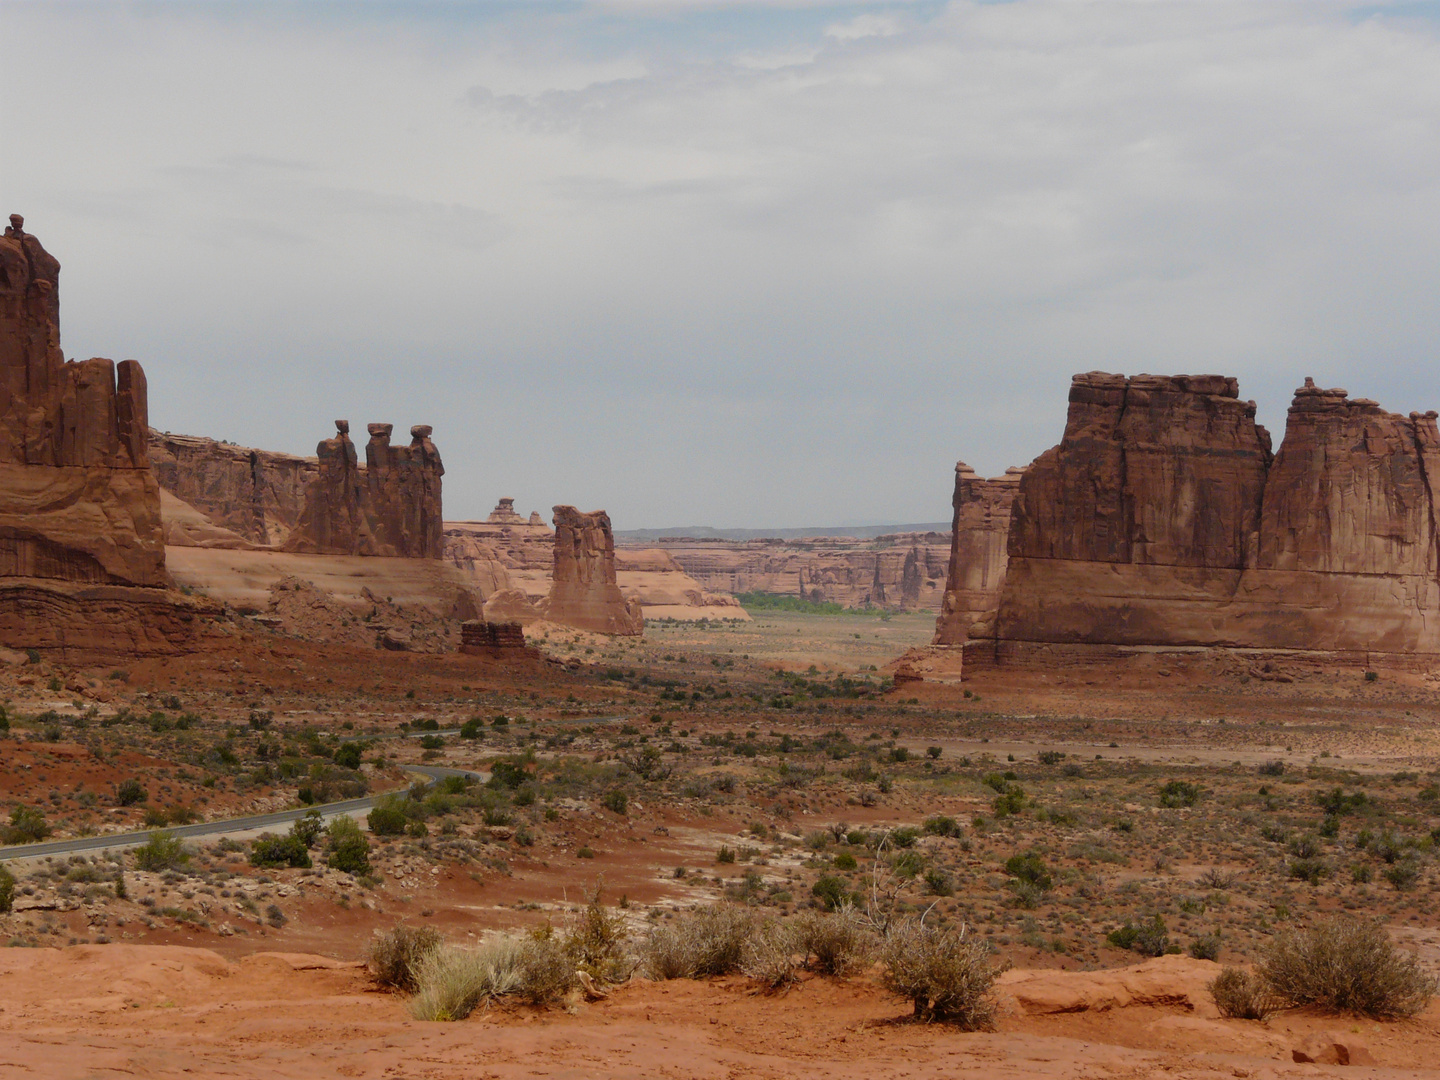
pixel 897 572
pixel 1162 518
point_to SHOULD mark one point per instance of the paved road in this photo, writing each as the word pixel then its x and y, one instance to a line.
pixel 227 827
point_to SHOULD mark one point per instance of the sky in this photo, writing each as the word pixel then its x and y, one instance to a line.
pixel 740 264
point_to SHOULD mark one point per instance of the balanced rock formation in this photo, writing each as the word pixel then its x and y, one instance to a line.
pixel 257 494
pixel 1163 519
pixel 978 550
pixel 77 500
pixel 391 507
pixel 583 590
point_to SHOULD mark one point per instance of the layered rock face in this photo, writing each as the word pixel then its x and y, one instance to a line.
pixel 1162 519
pixel 257 494
pixel 979 539
pixel 77 500
pixel 583 590
pixel 391 507
pixel 899 572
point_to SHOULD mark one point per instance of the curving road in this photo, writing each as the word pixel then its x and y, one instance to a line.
pixel 256 822
pixel 226 827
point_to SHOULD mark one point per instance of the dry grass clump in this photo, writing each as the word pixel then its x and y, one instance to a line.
pixel 451 982
pixel 841 944
pixel 768 955
pixel 395 955
pixel 1242 995
pixel 546 970
pixel 706 941
pixel 1348 965
pixel 945 973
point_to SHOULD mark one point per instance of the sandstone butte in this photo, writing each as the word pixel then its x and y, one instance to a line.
pixel 899 571
pixel 82 559
pixel 583 589
pixel 1163 519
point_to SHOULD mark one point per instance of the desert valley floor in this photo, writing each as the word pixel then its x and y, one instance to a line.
pixel 1188 806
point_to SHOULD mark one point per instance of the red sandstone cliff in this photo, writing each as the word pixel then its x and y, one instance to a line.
pixel 978 550
pixel 77 500
pixel 257 494
pixel 1162 519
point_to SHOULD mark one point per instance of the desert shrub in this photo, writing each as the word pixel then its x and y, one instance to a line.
pixel 547 970
pixel 130 792
pixel 1179 793
pixel 598 941
pixel 279 851
pixel 616 801
pixel 1270 768
pixel 472 728
pixel 27 825
pixel 938 882
pixel 1206 947
pixel 1312 870
pixel 7 889
pixel 347 755
pixel 1348 965
pixel 941 825
pixel 841 944
pixel 1403 875
pixel 726 854
pixel 904 837
pixel 1215 878
pixel 1050 757
pixel 163 851
pixel 768 955
pixel 1242 995
pixel 349 850
pixel 387 818
pixel 845 861
pixel 1150 938
pixel 830 891
pixel 1010 801
pixel 706 941
pixel 394 956
pixel 450 982
pixel 943 972
pixel 308 828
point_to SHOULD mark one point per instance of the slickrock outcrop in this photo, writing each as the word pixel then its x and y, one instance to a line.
pixel 979 541
pixel 1162 519
pixel 391 507
pixel 583 590
pixel 898 571
pixel 77 500
pixel 258 494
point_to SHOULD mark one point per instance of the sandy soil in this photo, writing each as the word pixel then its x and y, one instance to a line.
pixel 158 1011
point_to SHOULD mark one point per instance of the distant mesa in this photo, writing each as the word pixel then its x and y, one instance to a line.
pixel 1162 518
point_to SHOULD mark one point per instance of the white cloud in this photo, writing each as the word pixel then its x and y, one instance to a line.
pixel 727 265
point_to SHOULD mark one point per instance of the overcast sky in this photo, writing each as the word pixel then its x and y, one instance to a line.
pixel 739 264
